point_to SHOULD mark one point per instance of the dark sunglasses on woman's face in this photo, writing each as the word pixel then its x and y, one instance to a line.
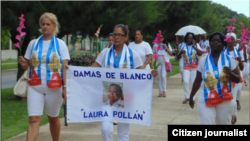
pixel 118 35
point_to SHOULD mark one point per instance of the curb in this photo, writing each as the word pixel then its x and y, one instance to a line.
pixel 9 70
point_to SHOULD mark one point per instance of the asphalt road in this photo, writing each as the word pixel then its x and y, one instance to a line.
pixel 8 78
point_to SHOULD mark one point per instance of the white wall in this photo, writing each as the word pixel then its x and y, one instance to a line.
pixel 8 54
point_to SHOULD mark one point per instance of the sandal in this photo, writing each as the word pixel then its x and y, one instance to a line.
pixel 234 119
pixel 185 101
pixel 115 123
pixel 164 94
pixel 160 95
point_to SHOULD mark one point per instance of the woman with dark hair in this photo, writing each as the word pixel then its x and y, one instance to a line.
pixel 189 50
pixel 214 75
pixel 235 53
pixel 142 48
pixel 116 57
pixel 115 96
pixel 163 55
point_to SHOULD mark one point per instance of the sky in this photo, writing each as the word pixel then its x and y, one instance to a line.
pixel 240 6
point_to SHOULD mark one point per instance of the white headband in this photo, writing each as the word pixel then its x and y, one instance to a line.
pixel 232 34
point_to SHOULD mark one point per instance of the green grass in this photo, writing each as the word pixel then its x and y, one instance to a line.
pixel 14 115
pixel 175 67
pixel 9 61
pixel 8 66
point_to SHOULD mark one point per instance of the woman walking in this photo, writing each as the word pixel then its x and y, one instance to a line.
pixel 214 75
pixel 47 57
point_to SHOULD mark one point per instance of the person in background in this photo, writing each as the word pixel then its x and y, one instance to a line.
pixel 214 74
pixel 205 46
pixel 142 48
pixel 190 51
pixel 163 55
pixel 47 57
pixel 110 43
pixel 232 51
pixel 181 59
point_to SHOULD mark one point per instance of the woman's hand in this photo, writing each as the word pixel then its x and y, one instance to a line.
pixel 194 43
pixel 22 62
pixel 183 51
pixel 238 59
pixel 191 103
pixel 154 73
pixel 227 70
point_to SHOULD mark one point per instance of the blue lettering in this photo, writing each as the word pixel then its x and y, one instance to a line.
pixel 149 76
pixel 121 76
pixel 106 114
pixel 80 74
pixel 98 74
pixel 113 75
pixel 120 114
pixel 75 73
pixel 135 117
pixel 90 114
pixel 132 76
pixel 124 115
pixel 114 113
pixel 93 74
pixel 95 114
pixel 140 116
pixel 100 113
pixel 86 73
pixel 137 76
pixel 126 76
pixel 84 115
pixel 129 117
pixel 107 75
pixel 144 76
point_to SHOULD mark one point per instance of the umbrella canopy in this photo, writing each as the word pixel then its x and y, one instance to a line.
pixel 191 28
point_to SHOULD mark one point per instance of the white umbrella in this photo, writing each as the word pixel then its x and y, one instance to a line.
pixel 191 28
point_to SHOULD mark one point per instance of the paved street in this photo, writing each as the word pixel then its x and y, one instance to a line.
pixel 8 78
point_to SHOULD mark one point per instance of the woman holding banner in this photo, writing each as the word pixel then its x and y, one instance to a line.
pixel 118 56
pixel 214 75
pixel 190 61
pixel 47 57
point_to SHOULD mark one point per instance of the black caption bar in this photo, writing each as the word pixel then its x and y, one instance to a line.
pixel 208 132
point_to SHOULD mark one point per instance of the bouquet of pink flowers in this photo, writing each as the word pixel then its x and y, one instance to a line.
pixel 230 29
pixel 21 34
pixel 157 48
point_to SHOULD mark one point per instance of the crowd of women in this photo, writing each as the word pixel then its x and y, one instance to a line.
pixel 220 71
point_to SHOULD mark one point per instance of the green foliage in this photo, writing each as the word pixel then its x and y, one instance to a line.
pixel 5 37
pixel 14 115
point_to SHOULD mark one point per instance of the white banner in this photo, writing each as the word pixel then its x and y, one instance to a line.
pixel 103 94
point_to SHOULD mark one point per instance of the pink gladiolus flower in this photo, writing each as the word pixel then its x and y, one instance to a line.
pixel 158 48
pixel 242 26
pixel 19 29
pixel 228 39
pixel 18 37
pixel 22 34
pixel 155 56
pixel 230 28
pixel 233 20
pixel 17 45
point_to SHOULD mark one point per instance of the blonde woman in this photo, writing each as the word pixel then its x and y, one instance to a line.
pixel 47 57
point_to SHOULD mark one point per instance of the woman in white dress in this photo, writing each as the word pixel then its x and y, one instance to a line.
pixel 163 55
pixel 142 48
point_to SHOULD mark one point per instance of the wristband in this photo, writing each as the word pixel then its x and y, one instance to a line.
pixel 64 86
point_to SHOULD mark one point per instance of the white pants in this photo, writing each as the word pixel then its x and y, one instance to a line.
pixel 187 75
pixel 181 68
pixel 246 71
pixel 38 96
pixel 240 85
pixel 234 92
pixel 219 114
pixel 162 75
pixel 108 128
